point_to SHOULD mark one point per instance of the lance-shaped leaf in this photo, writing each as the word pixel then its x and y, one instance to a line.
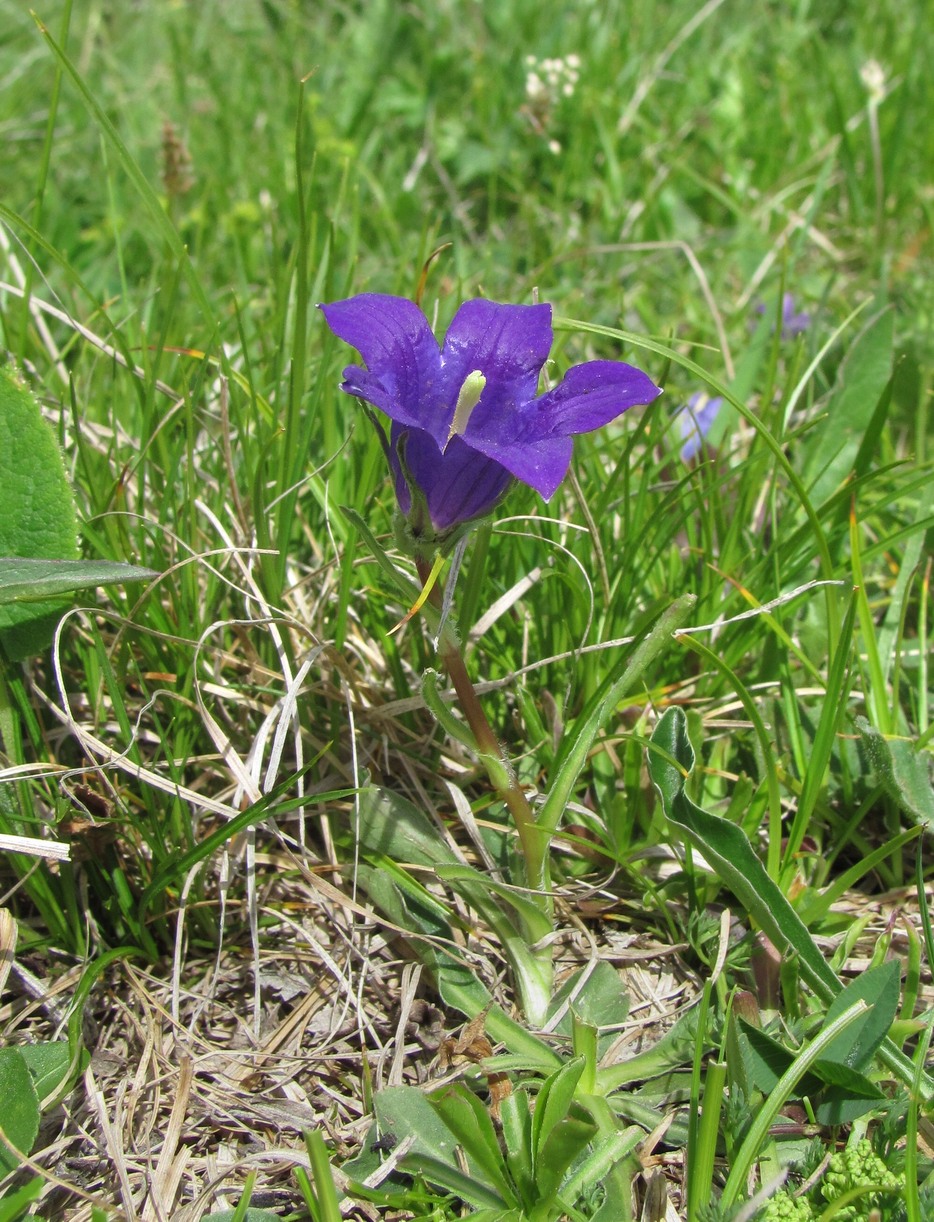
pixel 37 510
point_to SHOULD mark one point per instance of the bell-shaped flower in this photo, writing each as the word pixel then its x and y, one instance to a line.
pixel 467 418
pixel 694 422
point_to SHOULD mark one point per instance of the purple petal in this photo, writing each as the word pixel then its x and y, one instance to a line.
pixel 590 396
pixel 541 464
pixel 459 484
pixel 694 421
pixel 793 323
pixel 508 344
pixel 403 363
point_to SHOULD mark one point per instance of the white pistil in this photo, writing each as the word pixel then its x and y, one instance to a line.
pixel 467 400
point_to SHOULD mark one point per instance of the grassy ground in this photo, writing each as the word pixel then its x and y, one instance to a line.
pixel 262 926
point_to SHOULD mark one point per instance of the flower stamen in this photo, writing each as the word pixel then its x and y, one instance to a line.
pixel 467 400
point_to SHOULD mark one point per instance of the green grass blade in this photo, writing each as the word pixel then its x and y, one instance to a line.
pixel 150 199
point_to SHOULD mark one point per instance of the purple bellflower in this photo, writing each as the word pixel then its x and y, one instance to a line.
pixel 467 419
pixel 695 420
pixel 793 322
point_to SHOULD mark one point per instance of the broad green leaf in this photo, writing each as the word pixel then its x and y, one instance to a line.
pixel 457 983
pixel 48 1065
pixel 757 1134
pixel 727 849
pixel 764 1058
pixel 595 1169
pixel 391 825
pixel 839 1103
pixel 29 581
pixel 600 1000
pixel 469 1121
pixel 902 770
pixel 861 384
pixel 405 1112
pixel 19 1117
pixel 843 1078
pixel 835 1089
pixel 553 1104
pixel 516 1119
pixel 37 511
pixel 394 828
pixel 471 884
pixel 14 1204
pixel 566 1143
pixel 879 989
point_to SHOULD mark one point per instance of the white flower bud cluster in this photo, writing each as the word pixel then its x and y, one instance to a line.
pixel 551 79
pixel 872 74
pixel 547 81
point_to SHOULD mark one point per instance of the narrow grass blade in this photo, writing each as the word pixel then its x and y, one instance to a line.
pixel 832 710
pixel 150 199
pixel 581 738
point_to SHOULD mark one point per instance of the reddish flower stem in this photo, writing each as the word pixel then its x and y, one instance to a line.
pixel 500 771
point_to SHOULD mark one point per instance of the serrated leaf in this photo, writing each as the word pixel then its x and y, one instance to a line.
pixel 24 580
pixel 19 1118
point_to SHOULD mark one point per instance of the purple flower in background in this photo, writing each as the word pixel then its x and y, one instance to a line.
pixel 793 323
pixel 467 419
pixel 694 421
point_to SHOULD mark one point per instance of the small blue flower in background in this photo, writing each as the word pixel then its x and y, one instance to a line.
pixel 793 322
pixel 695 420
pixel 467 419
